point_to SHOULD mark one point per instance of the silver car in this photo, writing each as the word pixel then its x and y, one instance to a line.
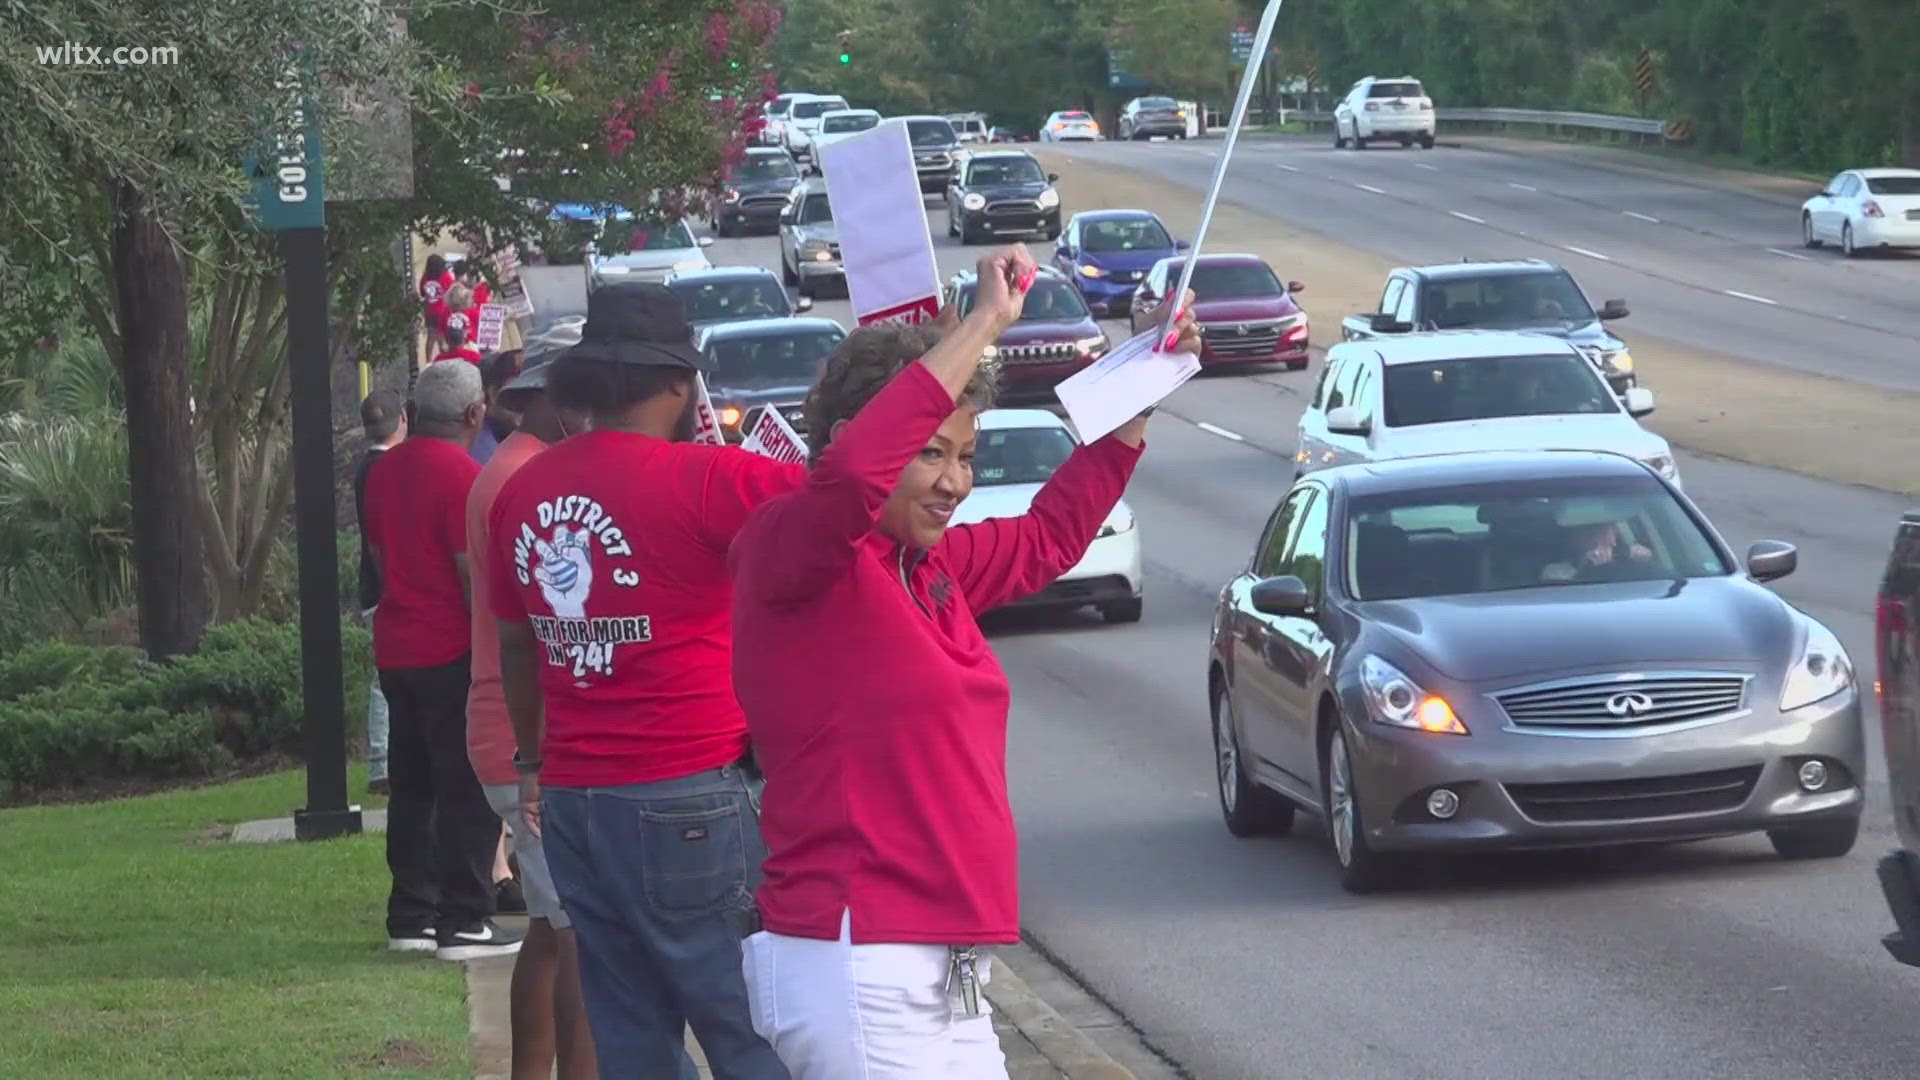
pixel 810 241
pixel 643 250
pixel 1529 649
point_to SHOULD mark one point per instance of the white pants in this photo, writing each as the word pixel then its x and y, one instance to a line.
pixel 838 1011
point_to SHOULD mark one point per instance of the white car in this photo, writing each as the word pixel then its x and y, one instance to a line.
pixel 776 110
pixel 652 251
pixel 1865 208
pixel 1070 126
pixel 1460 391
pixel 839 124
pixel 1376 109
pixel 1018 450
pixel 803 119
pixel 969 127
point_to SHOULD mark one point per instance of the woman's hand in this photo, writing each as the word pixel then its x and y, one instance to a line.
pixel 1185 335
pixel 1003 280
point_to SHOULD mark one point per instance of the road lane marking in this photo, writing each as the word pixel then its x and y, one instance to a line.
pixel 1790 255
pixel 1641 217
pixel 1424 165
pixel 1370 187
pixel 1220 431
pixel 1588 254
pixel 1522 187
pixel 1750 296
pixel 1468 217
pixel 1290 168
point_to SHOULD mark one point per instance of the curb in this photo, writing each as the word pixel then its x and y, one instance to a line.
pixel 1067 1047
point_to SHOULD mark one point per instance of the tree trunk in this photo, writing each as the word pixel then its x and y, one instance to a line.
pixel 157 374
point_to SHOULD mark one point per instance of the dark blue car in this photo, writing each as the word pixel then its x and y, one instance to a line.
pixel 1105 253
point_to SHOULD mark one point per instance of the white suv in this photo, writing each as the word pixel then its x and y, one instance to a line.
pixel 803 119
pixel 1376 108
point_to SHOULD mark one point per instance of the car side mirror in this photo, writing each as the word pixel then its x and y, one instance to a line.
pixel 1639 401
pixel 805 303
pixel 786 217
pixel 1100 309
pixel 1387 324
pixel 1285 595
pixel 1771 560
pixel 1064 251
pixel 1347 420
pixel 1296 286
pixel 1182 245
pixel 1613 309
pixel 1826 193
pixel 706 241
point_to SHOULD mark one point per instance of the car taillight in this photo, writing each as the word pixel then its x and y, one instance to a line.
pixel 1873 209
pixel 1889 627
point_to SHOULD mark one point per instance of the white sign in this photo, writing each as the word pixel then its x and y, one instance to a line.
pixel 771 436
pixel 513 292
pixel 1123 384
pixel 493 324
pixel 882 222
pixel 706 422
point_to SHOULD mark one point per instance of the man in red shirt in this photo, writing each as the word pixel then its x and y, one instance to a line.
pixel 607 569
pixel 441 833
pixel 549 1021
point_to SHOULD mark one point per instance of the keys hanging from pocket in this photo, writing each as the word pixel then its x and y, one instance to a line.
pixel 963 978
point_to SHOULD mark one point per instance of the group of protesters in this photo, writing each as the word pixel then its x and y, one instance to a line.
pixel 736 714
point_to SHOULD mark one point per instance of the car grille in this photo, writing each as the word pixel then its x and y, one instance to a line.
pixel 795 413
pixel 1126 275
pixel 1049 353
pixel 1628 800
pixel 933 161
pixel 1013 206
pixel 763 202
pixel 1241 339
pixel 1625 702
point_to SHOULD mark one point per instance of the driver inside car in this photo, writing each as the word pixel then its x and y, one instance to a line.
pixel 1599 553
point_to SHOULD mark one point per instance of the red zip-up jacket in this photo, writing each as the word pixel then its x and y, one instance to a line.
pixel 875 706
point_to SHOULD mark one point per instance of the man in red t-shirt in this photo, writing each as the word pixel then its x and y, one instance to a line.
pixel 607 568
pixel 441 833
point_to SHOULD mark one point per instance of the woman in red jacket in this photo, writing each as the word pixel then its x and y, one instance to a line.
pixel 877 709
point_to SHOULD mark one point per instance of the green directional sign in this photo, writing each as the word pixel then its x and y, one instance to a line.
pixel 289 188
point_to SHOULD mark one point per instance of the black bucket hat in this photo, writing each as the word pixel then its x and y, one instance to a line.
pixel 637 323
pixel 532 377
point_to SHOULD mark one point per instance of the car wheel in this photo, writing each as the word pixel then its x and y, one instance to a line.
pixel 1846 242
pixel 968 236
pixel 1362 870
pixel 1246 807
pixel 1426 142
pixel 1406 144
pixel 1053 234
pixel 808 290
pixel 1807 239
pixel 1827 840
pixel 1339 140
pixel 1123 611
pixel 1358 142
pixel 951 230
pixel 786 272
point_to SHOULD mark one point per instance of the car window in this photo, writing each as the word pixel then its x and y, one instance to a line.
pixel 834 125
pixel 1894 185
pixel 743 298
pixel 1020 455
pixel 1157 103
pixel 1401 89
pixel 775 166
pixel 930 132
pixel 1221 280
pixel 1125 234
pixel 1522 535
pixel 1403 308
pixel 1343 380
pixel 1361 396
pixel 1390 299
pixel 1506 300
pixel 790 359
pixel 815 209
pixel 1008 170
pixel 1320 386
pixel 1051 299
pixel 1306 556
pixel 808 110
pixel 661 236
pixel 1442 391
pixel 1280 529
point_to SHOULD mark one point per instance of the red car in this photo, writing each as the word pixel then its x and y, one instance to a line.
pixel 1246 315
pixel 1055 337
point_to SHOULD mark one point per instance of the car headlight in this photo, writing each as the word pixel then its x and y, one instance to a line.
pixel 1662 464
pixel 1821 671
pixel 1621 361
pixel 973 201
pixel 1096 344
pixel 813 249
pixel 730 415
pixel 1114 526
pixel 1398 701
pixel 1049 199
pixel 1092 271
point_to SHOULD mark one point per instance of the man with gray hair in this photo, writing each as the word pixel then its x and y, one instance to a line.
pixel 441 832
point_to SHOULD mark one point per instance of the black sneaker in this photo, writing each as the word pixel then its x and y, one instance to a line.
pixel 423 940
pixel 479 941
pixel 509 898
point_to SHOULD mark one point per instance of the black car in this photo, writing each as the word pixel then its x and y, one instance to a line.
pixel 760 187
pixel 936 151
pixel 771 362
pixel 1529 294
pixel 1145 117
pixel 1000 193
pixel 1896 631
pixel 720 294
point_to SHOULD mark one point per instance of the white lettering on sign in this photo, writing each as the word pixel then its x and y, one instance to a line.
pixel 771 436
pixel 493 326
pixel 290 139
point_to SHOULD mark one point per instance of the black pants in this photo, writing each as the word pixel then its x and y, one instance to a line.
pixel 441 833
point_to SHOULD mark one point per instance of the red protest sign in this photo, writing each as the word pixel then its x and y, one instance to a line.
pixel 771 436
pixel 706 422
pixel 911 313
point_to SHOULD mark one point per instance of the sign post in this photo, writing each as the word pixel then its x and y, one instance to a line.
pixel 290 199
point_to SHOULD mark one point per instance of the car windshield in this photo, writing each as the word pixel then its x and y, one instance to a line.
pixel 775 166
pixel 1505 300
pixel 1124 234
pixel 779 106
pixel 1894 185
pixel 808 110
pixel 1019 455
pixel 1222 281
pixel 741 298
pixel 1157 103
pixel 1522 535
pixel 659 235
pixel 1443 391
pixel 790 359
pixel 1395 90
pixel 1007 170
pixel 1050 300
pixel 815 209
pixel 930 132
pixel 859 122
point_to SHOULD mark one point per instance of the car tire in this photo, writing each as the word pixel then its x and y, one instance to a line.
pixel 968 237
pixel 1826 840
pixel 1406 143
pixel 1846 242
pixel 952 231
pixel 786 272
pixel 1362 870
pixel 1807 239
pixel 1052 234
pixel 1426 142
pixel 1296 365
pixel 1123 611
pixel 1339 140
pixel 1247 808
pixel 1358 142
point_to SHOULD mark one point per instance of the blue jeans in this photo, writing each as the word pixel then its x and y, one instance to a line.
pixel 376 724
pixel 657 878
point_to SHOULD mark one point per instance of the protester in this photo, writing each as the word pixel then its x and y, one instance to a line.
pixel 476 283
pixel 441 833
pixel 549 1021
pixel 384 420
pixel 496 371
pixel 457 344
pixel 434 283
pixel 459 314
pixel 608 573
pixel 877 708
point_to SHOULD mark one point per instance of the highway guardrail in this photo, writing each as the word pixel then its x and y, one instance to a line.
pixel 1626 125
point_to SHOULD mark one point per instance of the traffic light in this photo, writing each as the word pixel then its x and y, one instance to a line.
pixel 846 46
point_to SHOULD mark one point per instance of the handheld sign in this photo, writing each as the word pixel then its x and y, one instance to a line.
pixel 771 436
pixel 706 422
pixel 1124 383
pixel 882 222
pixel 493 324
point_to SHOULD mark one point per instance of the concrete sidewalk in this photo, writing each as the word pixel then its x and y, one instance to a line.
pixel 1039 1041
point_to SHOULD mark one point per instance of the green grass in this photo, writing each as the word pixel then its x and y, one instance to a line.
pixel 136 943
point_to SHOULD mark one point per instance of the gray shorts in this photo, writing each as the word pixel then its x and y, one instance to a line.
pixel 542 901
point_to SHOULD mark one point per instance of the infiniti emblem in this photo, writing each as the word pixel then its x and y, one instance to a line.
pixel 1241 330
pixel 1631 703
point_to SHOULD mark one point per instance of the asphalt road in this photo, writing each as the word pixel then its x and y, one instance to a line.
pixel 1243 959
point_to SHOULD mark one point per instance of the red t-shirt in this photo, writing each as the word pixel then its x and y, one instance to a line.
pixel 490 741
pixel 433 293
pixel 417 523
pixel 614 546
pixel 877 708
pixel 465 352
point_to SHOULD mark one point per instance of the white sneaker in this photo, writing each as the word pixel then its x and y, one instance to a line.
pixel 423 941
pixel 479 941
